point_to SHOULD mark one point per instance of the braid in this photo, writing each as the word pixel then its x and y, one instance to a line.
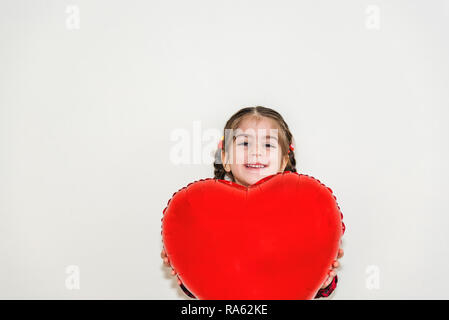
pixel 291 166
pixel 219 171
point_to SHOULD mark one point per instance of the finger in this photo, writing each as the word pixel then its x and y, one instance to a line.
pixel 173 272
pixel 179 282
pixel 336 264
pixel 166 261
pixel 162 253
pixel 340 253
pixel 326 283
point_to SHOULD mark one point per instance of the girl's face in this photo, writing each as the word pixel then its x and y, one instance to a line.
pixel 255 152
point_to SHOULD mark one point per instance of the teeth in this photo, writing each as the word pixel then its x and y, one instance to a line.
pixel 255 166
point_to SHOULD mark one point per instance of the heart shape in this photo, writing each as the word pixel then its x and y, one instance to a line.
pixel 275 239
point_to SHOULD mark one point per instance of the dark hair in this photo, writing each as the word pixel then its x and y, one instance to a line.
pixel 285 137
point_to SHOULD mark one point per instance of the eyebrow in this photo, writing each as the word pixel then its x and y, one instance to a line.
pixel 247 135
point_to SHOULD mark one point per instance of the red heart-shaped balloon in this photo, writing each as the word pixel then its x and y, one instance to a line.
pixel 275 239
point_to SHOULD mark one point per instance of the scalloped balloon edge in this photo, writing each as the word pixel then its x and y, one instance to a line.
pixel 233 184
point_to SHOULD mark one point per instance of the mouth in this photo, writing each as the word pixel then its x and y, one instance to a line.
pixel 255 166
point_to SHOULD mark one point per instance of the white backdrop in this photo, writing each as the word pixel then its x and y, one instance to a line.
pixel 94 94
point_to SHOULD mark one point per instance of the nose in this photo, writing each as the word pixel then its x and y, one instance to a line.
pixel 255 150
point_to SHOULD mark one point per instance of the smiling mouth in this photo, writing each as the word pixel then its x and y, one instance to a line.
pixel 255 166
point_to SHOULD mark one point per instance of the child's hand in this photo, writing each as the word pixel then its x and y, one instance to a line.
pixel 332 272
pixel 167 263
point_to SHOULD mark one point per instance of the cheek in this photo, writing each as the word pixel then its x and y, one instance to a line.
pixel 276 161
pixel 240 155
pixel 275 157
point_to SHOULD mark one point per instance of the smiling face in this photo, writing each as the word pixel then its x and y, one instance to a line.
pixel 255 152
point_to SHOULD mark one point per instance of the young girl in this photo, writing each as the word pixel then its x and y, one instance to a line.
pixel 248 152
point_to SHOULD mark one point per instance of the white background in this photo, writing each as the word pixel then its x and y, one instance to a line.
pixel 91 92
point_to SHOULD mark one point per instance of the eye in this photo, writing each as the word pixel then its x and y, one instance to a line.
pixel 268 145
pixel 243 143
